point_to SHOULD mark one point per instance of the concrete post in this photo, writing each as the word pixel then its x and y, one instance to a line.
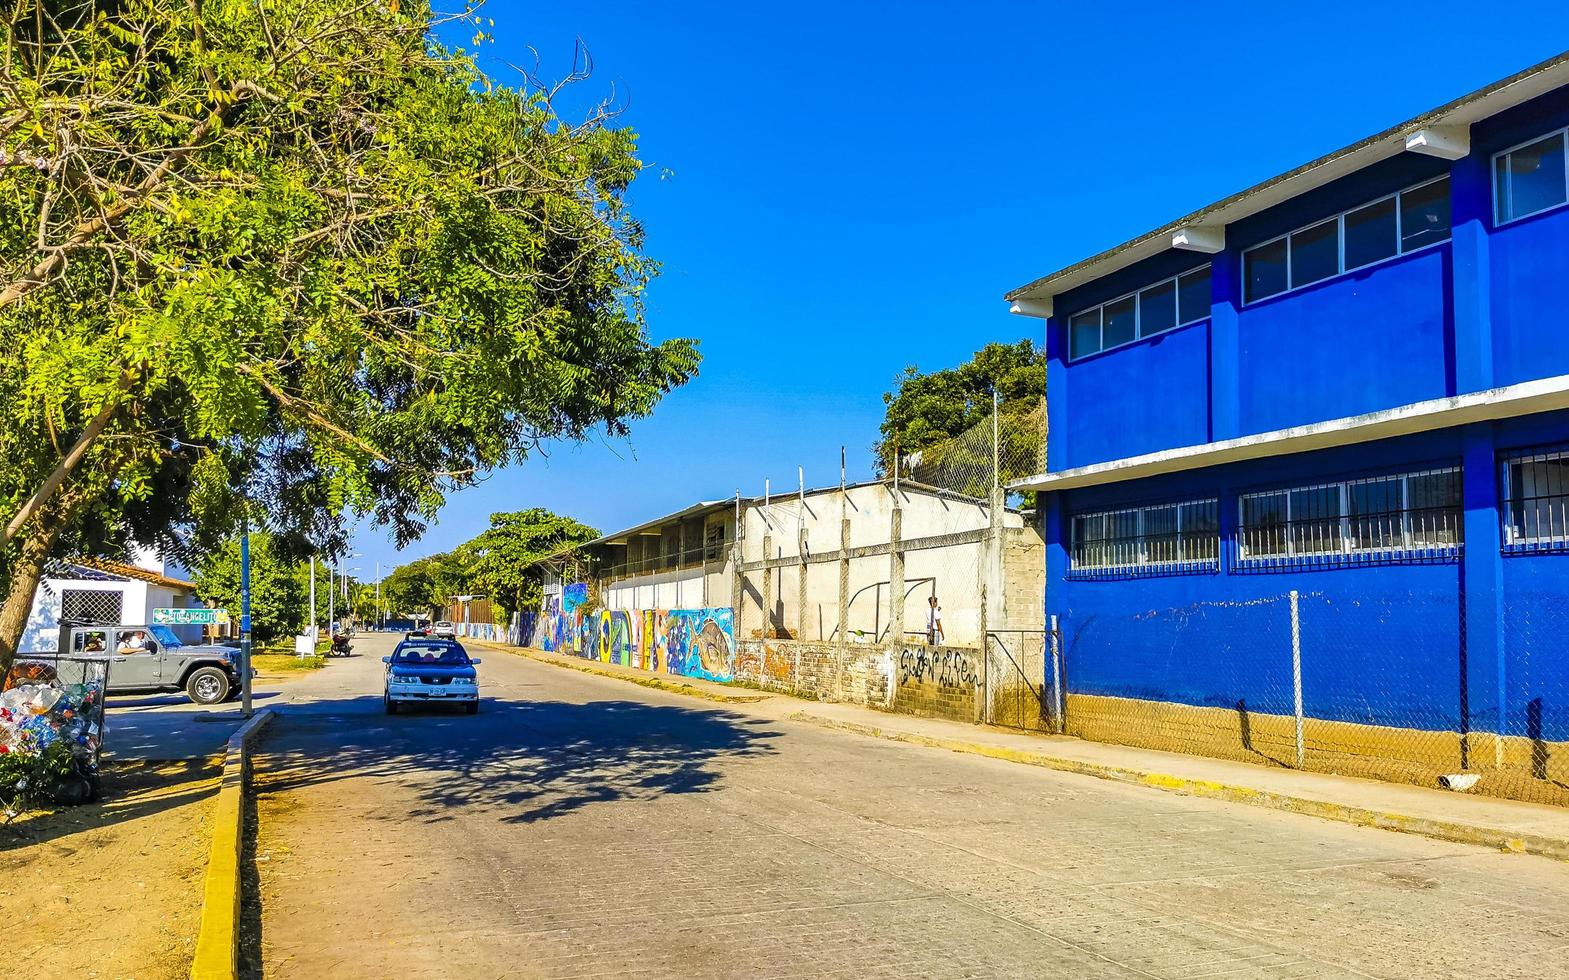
pixel 843 631
pixel 896 572
pixel 800 591
pixel 768 587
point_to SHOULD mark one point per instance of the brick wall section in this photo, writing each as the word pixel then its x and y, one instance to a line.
pixel 938 682
pixel 1023 579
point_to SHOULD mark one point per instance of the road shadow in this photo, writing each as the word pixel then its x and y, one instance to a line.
pixel 146 702
pixel 526 761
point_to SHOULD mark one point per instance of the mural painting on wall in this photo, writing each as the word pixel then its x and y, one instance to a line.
pixel 701 643
pixel 573 595
pixel 689 642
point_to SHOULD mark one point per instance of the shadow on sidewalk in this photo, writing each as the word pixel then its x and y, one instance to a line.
pixel 525 760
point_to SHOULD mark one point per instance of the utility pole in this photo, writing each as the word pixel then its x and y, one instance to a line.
pixel 313 627
pixel 378 595
pixel 332 598
pixel 245 614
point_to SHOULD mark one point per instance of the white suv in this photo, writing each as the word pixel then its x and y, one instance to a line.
pixel 443 628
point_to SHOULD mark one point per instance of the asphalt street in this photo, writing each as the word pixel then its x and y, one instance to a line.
pixel 582 826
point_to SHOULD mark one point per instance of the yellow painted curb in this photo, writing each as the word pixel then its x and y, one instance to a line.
pixel 218 943
pixel 1458 833
pixel 653 682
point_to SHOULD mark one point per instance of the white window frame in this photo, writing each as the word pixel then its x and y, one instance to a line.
pixel 1348 548
pixel 1138 317
pixel 1563 136
pixel 1142 545
pixel 1340 242
pixel 1527 542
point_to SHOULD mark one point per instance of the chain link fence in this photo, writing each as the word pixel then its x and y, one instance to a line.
pixel 1374 686
pixel 1008 445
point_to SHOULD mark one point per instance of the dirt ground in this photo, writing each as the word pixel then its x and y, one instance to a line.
pixel 110 890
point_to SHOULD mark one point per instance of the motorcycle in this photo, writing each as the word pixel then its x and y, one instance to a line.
pixel 340 645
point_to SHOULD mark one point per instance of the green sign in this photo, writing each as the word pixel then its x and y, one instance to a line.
pixel 191 617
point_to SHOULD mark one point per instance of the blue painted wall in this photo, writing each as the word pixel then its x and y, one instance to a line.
pixel 1357 343
pixel 1147 396
pixel 1487 309
pixel 1382 644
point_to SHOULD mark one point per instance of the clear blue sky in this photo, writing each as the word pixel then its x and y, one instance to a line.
pixel 837 190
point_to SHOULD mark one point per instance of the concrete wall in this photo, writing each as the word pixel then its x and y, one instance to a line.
pixel 952 572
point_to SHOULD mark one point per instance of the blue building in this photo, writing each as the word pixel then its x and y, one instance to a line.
pixel 1350 383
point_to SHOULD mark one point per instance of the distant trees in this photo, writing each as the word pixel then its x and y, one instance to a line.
pixel 926 409
pixel 501 563
pixel 278 596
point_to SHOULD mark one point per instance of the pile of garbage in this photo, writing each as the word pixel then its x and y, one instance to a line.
pixel 41 715
pixel 35 716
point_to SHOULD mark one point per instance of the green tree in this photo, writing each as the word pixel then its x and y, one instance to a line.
pixel 295 258
pixel 278 603
pixel 426 584
pixel 502 562
pixel 926 413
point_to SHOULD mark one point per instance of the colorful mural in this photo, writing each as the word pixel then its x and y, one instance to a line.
pixel 688 642
pixel 573 595
pixel 701 643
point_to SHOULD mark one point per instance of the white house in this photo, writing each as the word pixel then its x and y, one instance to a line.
pixel 96 590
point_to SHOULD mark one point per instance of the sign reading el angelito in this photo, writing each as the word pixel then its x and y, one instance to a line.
pixel 191 617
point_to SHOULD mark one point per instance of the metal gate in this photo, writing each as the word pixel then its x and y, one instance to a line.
pixel 1019 692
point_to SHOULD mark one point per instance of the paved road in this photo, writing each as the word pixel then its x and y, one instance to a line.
pixel 581 826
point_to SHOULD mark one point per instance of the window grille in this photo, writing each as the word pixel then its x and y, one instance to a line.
pixel 1400 516
pixel 91 605
pixel 1536 501
pixel 1157 539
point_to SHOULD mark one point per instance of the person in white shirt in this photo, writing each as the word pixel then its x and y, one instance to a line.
pixel 933 622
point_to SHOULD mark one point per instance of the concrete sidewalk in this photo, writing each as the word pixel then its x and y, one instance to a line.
pixel 1485 821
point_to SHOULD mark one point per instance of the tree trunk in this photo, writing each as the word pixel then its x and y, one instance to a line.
pixel 28 568
pixel 21 584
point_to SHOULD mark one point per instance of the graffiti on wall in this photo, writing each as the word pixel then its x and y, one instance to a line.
pixel 929 665
pixel 688 642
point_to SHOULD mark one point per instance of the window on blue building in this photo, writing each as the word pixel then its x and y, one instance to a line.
pixel 1403 222
pixel 1404 513
pixel 1530 178
pixel 1315 253
pixel 1536 501
pixel 1264 268
pixel 1372 234
pixel 1424 215
pixel 1166 305
pixel 1161 537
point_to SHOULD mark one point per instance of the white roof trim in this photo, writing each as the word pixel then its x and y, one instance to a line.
pixel 1525 398
pixel 1484 102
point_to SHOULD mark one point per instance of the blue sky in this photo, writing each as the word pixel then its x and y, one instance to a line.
pixel 838 190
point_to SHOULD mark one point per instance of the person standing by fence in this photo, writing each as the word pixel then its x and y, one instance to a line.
pixel 933 622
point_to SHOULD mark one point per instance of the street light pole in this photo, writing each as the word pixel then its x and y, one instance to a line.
pixel 332 598
pixel 245 615
pixel 312 630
